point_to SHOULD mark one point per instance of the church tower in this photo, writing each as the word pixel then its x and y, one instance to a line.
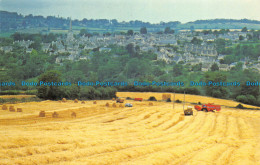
pixel 70 32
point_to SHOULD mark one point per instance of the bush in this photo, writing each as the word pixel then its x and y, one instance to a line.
pixel 152 98
pixel 199 103
pixel 31 92
pixel 129 98
pixel 251 99
pixel 169 100
pixel 178 101
pixel 247 99
pixel 241 98
pixel 10 92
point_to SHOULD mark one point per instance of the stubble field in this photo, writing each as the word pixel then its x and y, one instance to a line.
pixel 142 134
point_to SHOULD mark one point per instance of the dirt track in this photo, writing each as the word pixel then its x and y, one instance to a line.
pixel 141 134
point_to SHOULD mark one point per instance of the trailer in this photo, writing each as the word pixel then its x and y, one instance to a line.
pixel 138 99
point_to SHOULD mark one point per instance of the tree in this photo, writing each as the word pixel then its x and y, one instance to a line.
pixel 244 29
pixel 168 30
pixel 217 90
pixel 197 67
pixel 36 44
pixel 249 36
pixel 241 38
pixel 130 49
pixel 196 41
pixel 214 67
pixel 51 92
pixel 177 70
pixel 220 45
pixel 130 32
pixel 143 30
pixel 83 32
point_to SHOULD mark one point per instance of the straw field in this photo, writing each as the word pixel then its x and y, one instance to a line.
pixel 142 134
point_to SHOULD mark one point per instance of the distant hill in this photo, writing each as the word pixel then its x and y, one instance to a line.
pixel 224 21
pixel 12 21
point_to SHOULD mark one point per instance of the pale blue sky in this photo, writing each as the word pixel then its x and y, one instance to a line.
pixel 146 10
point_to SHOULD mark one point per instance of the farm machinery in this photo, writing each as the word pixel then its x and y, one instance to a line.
pixel 188 111
pixel 120 100
pixel 208 107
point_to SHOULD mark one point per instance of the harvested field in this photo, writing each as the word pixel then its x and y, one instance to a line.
pixel 140 135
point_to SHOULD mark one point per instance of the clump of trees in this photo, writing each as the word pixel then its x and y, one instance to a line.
pixel 71 91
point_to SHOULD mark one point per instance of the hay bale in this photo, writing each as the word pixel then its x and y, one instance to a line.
pixel 73 114
pixel 11 109
pixel 152 98
pixel 107 104
pixel 4 107
pixel 76 101
pixel 94 102
pixel 150 104
pixel 121 105
pixel 113 99
pixel 82 102
pixel 64 100
pixel 55 115
pixel 19 110
pixel 42 114
pixel 114 105
pixel 166 96
pixel 240 106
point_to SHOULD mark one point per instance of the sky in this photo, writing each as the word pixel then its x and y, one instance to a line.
pixel 153 11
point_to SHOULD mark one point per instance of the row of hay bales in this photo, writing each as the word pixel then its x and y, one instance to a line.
pixel 56 114
pixel 114 105
pixel 11 108
pixel 77 101
pixel 121 105
pixel 165 97
pixel 64 100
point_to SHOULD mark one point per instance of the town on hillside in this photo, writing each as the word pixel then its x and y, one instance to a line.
pixel 185 47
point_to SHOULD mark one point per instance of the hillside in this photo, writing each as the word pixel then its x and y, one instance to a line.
pixel 142 134
pixel 12 21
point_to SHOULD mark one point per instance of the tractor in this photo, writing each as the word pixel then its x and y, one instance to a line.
pixel 208 107
pixel 188 111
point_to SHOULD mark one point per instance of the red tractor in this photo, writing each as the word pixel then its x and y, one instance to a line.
pixel 208 107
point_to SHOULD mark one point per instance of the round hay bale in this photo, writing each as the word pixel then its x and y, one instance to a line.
pixel 94 102
pixel 19 110
pixel 73 114
pixel 166 96
pixel 82 102
pixel 76 101
pixel 59 101
pixel 107 104
pixel 114 105
pixel 55 115
pixel 42 114
pixel 11 109
pixel 64 100
pixel 150 104
pixel 121 105
pixel 4 107
pixel 113 99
